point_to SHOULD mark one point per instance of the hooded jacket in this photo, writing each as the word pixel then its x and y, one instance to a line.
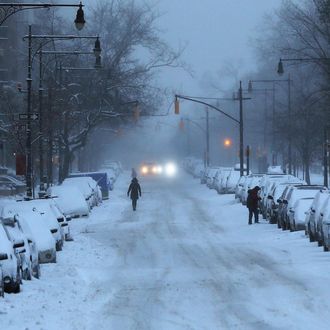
pixel 134 189
pixel 253 198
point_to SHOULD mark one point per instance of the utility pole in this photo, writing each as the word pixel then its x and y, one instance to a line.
pixel 247 160
pixel 28 123
pixel 41 139
pixel 290 126
pixel 207 138
pixel 241 142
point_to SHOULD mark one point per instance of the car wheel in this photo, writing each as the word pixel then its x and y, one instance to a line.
pixel 36 272
pixel 2 287
pixel 310 234
pixel 16 287
pixel 325 248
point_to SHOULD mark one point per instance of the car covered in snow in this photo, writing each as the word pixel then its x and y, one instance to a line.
pixel 87 186
pixel 295 193
pixel 20 245
pixel 297 213
pixel 34 223
pixel 239 187
pixel 312 219
pixel 220 183
pixel 9 264
pixel 43 207
pixel 101 178
pixel 70 200
pixel 231 182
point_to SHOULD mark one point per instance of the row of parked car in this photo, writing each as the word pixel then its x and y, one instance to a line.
pixel 291 203
pixel 285 200
pixel 222 179
pixel 32 232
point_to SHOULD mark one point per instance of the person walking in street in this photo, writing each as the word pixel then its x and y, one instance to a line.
pixel 252 204
pixel 134 191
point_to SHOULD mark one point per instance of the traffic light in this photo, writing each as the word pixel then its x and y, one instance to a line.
pixel 176 106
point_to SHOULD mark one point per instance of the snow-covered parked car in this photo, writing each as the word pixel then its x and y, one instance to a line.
pixel 70 200
pixel 295 193
pixel 63 221
pixel 239 187
pixel 44 208
pixel 87 186
pixel 9 264
pixel 18 226
pixel 34 223
pixel 313 215
pixel 231 182
pixel 20 245
pixel 297 213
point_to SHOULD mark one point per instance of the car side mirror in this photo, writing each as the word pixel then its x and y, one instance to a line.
pixel 279 201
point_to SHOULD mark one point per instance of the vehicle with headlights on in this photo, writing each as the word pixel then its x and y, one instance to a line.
pixel 151 169
pixel 154 169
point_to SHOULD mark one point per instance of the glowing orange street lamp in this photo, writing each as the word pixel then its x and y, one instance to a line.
pixel 227 143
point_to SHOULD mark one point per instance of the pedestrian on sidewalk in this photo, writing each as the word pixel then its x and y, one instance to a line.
pixel 134 191
pixel 252 204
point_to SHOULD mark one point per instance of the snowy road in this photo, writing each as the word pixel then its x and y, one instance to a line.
pixel 185 260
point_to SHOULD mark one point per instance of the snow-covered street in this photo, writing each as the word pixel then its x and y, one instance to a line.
pixel 186 259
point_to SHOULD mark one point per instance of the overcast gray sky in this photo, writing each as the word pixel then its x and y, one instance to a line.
pixel 215 32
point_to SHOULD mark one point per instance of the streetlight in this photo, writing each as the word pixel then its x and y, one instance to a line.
pixel 29 115
pixel 9 9
pixel 227 143
pixel 80 19
pixel 280 67
pixel 96 52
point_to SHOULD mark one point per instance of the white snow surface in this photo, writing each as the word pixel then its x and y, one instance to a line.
pixel 186 259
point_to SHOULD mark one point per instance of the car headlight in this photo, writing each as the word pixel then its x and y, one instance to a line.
pixel 170 169
pixel 154 169
pixel 144 170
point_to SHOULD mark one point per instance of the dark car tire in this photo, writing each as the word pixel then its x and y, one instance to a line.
pixel 311 236
pixel 16 287
pixel 325 248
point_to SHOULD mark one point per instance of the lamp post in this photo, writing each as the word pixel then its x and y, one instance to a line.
pixel 9 9
pixel 97 53
pixel 280 71
pixel 29 115
pixel 274 81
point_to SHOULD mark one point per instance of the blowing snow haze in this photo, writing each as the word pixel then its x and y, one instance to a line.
pixel 164 165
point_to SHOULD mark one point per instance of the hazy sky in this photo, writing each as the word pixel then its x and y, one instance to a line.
pixel 214 32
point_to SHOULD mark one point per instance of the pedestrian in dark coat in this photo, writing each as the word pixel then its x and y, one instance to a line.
pixel 252 204
pixel 134 191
